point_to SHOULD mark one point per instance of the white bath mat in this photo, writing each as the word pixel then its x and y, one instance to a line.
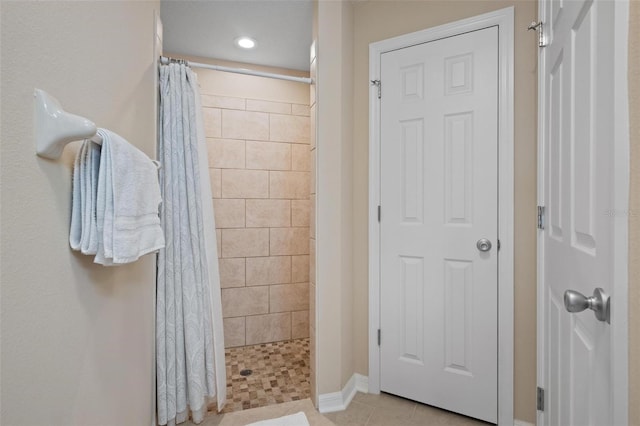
pixel 297 419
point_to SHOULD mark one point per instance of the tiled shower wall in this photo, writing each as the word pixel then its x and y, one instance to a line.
pixel 259 167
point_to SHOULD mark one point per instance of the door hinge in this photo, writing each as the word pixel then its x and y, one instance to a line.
pixel 378 337
pixel 541 212
pixel 538 26
pixel 498 244
pixel 378 84
pixel 379 213
pixel 540 399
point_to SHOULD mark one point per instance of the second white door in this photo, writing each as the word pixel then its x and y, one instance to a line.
pixel 439 198
pixel 579 242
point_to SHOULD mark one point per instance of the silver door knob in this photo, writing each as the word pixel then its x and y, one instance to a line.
pixel 483 244
pixel 599 303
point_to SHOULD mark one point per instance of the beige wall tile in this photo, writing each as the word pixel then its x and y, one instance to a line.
pixel 300 269
pixel 248 139
pixel 226 153
pixel 300 212
pixel 232 272
pixel 300 109
pixel 312 216
pixel 292 185
pixel 299 324
pixel 268 328
pixel 288 128
pixel 312 260
pixel 229 213
pixel 245 125
pixel 312 126
pixel 212 122
pixel 269 155
pixel 268 106
pixel 268 270
pixel 268 213
pixel 300 157
pixel 215 177
pixel 223 102
pixel 287 241
pixel 312 173
pixel 234 332
pixel 245 242
pixel 312 305
pixel 288 297
pixel 242 301
pixel 245 183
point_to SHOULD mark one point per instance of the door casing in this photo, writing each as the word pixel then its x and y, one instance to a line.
pixel 620 145
pixel 503 19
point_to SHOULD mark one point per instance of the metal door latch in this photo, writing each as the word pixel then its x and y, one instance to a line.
pixel 575 301
pixel 483 244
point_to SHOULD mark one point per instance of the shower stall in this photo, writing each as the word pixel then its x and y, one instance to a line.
pixel 258 139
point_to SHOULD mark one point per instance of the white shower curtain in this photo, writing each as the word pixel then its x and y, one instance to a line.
pixel 190 367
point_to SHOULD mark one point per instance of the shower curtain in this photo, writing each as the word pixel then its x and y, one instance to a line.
pixel 190 367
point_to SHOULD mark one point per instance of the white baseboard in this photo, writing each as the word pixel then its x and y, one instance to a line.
pixel 362 383
pixel 339 401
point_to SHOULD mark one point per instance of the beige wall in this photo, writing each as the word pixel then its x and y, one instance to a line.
pixel 348 313
pixel 334 189
pixel 258 140
pixel 379 20
pixel 634 216
pixel 77 338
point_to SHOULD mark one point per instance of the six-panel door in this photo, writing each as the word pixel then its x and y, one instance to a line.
pixel 439 196
pixel 578 182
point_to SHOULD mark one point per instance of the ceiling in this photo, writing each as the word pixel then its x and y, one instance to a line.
pixel 281 28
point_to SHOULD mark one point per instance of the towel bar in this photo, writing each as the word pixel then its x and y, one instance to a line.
pixel 54 127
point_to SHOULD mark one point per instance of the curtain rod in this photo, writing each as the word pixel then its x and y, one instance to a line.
pixel 164 60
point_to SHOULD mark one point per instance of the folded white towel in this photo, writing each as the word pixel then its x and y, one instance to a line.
pixel 297 419
pixel 94 169
pixel 84 233
pixel 116 195
pixel 130 225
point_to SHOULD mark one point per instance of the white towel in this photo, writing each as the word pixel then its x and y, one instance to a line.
pixel 116 195
pixel 84 233
pixel 130 225
pixel 297 419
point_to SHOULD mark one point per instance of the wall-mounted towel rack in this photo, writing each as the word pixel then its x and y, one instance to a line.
pixel 54 127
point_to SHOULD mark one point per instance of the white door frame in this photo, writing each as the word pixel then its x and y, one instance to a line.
pixel 620 285
pixel 503 19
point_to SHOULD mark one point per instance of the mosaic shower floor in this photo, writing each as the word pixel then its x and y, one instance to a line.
pixel 280 373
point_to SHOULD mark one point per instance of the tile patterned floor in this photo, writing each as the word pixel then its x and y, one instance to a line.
pixel 280 374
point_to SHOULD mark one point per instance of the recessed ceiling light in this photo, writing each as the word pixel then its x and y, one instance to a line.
pixel 246 42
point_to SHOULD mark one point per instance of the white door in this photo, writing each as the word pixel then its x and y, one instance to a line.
pixel 439 186
pixel 577 138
